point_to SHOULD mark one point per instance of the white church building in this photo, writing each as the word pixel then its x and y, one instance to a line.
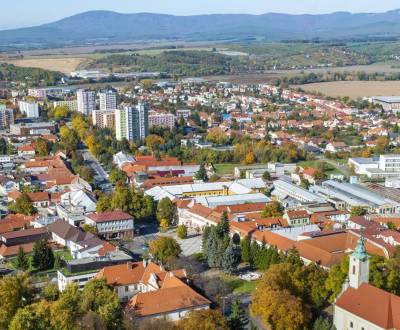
pixel 362 306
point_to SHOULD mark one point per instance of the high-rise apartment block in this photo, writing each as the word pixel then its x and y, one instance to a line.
pixel 103 118
pixel 6 117
pixel 108 100
pixel 132 123
pixel 86 101
pixel 29 109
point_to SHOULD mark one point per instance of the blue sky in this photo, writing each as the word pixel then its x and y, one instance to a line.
pixel 33 12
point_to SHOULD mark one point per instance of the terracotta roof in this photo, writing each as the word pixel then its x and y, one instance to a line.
pixel 123 274
pixel 175 296
pixel 24 233
pixel 241 208
pixel 200 210
pixel 10 251
pixel 166 181
pixel 374 305
pixel 10 224
pixel 183 203
pixel 297 214
pixel 109 216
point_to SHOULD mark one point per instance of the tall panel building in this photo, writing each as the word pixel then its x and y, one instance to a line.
pixel 108 100
pixel 132 123
pixel 30 109
pixel 86 101
pixel 6 117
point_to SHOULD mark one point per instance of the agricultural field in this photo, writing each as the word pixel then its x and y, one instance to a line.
pixel 353 89
pixel 61 64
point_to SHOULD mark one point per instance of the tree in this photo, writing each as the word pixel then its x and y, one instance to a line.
pixel 43 257
pixel 279 309
pixel 215 248
pixel 245 246
pixel 201 174
pixel 237 320
pixel 23 205
pixel 66 309
pixel 182 231
pixel 337 276
pixel 249 159
pixel 166 210
pixel 153 142
pixel 22 262
pixel 98 297
pixel 15 292
pixel 272 209
pixel 42 147
pixel 164 225
pixel 266 176
pixel 33 317
pixel 50 292
pixel 357 211
pixel 60 112
pixel 217 136
pixel 163 248
pixel 231 258
pixel 382 145
pixel 322 324
pixel 223 227
pixel 116 175
pixel 204 319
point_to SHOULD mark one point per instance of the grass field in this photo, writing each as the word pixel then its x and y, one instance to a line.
pixel 354 89
pixel 240 286
pixel 62 64
pixel 224 169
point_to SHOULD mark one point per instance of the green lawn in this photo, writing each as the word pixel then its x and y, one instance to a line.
pixel 240 286
pixel 223 169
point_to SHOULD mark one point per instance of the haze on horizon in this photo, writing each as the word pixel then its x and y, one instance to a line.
pixel 25 13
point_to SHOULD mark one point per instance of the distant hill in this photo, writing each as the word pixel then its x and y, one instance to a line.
pixel 107 26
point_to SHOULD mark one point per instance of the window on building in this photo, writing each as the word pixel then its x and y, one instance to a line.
pixel 126 288
pixel 351 325
pixel 354 269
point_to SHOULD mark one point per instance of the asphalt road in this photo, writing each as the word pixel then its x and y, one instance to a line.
pixel 100 174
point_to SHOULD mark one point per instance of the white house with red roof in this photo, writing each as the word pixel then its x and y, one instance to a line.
pixel 113 224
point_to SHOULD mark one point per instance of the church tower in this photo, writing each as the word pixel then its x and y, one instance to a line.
pixel 359 265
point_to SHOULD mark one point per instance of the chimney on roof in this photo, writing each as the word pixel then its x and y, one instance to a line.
pixel 129 265
pixel 144 263
pixel 161 268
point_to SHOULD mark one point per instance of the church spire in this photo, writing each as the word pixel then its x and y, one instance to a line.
pixel 359 265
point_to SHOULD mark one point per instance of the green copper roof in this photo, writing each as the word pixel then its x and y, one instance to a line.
pixel 360 253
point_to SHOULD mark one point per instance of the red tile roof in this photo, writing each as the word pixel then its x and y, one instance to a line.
pixel 374 305
pixel 109 216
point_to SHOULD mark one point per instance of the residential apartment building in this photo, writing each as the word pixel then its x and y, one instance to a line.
pixel 6 118
pixel 113 224
pixel 72 105
pixel 132 123
pixel 29 109
pixel 103 118
pixel 86 101
pixel 161 119
pixel 108 100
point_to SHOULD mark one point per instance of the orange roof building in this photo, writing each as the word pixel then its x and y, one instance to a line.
pixel 153 291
